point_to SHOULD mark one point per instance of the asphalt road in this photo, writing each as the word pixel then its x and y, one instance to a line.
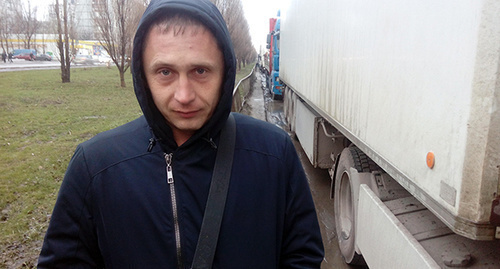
pixel 20 65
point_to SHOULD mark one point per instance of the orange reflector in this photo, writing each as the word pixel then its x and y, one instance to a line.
pixel 430 159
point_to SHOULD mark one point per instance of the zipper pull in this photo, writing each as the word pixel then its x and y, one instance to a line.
pixel 170 175
pixel 152 143
pixel 212 143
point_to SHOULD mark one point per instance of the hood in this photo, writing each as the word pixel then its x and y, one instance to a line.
pixel 210 16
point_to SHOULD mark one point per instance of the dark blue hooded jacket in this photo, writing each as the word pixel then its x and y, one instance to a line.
pixel 115 207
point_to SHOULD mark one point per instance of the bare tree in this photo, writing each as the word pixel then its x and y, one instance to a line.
pixel 30 24
pixel 17 19
pixel 63 40
pixel 26 23
pixel 232 11
pixel 116 21
pixel 13 11
pixel 6 23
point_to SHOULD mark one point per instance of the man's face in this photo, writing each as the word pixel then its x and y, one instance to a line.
pixel 184 73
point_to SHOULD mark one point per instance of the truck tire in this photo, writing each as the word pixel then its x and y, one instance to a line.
pixel 269 83
pixel 287 105
pixel 345 217
pixel 292 99
pixel 286 102
pixel 277 97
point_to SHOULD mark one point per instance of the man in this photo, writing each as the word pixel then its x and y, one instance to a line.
pixel 117 209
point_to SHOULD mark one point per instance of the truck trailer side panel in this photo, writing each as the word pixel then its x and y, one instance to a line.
pixel 404 79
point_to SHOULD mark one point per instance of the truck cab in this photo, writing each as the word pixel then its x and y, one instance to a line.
pixel 273 44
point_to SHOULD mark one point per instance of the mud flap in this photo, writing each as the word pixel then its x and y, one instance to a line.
pixel 358 179
pixel 382 237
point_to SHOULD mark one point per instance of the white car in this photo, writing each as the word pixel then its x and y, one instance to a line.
pixel 83 59
pixel 104 59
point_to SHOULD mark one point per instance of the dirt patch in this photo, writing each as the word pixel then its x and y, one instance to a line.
pixel 20 255
pixel 46 103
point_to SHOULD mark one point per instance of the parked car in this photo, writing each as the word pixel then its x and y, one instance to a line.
pixel 104 59
pixel 25 56
pixel 43 57
pixel 83 59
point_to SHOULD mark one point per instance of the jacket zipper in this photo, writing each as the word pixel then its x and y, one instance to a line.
pixel 170 181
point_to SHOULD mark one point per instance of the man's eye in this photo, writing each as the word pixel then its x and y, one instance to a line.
pixel 165 72
pixel 201 71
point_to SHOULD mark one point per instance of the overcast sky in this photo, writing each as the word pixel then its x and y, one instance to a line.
pixel 258 13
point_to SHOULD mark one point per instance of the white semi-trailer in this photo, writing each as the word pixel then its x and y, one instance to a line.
pixel 401 101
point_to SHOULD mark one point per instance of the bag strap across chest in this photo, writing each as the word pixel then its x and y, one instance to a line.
pixel 210 227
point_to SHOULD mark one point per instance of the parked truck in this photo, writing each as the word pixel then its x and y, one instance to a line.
pixel 271 58
pixel 400 100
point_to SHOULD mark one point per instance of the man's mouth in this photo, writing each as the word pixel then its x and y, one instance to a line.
pixel 187 114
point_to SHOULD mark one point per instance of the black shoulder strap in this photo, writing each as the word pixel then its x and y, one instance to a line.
pixel 210 227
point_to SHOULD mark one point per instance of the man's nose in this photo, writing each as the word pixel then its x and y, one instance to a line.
pixel 184 93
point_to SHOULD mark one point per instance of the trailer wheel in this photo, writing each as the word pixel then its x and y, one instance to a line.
pixel 286 105
pixel 292 99
pixel 269 84
pixel 286 102
pixel 345 217
pixel 277 96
